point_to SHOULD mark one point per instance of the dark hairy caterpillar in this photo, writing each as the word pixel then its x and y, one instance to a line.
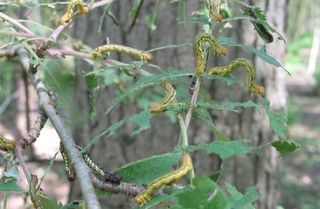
pixel 167 179
pixel 240 62
pixel 169 98
pixel 67 164
pixel 199 52
pixel 93 165
pixel 66 18
pixel 142 55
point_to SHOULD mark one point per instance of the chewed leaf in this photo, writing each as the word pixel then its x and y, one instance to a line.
pixel 242 201
pixel 285 147
pixel 142 120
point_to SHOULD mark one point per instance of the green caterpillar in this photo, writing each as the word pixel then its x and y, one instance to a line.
pixel 240 62
pixel 198 50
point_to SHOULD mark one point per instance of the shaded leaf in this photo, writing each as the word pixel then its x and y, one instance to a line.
pixel 285 147
pixel 142 120
pixel 48 203
pixel 146 170
pixel 205 193
pixel 242 201
pixel 10 186
pixel 224 149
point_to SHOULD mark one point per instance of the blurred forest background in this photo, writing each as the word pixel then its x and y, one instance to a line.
pixel 285 181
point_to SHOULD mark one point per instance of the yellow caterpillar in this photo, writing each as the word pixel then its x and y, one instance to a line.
pixel 67 164
pixel 198 50
pixel 66 18
pixel 240 62
pixel 6 144
pixel 142 55
pixel 169 98
pixel 164 180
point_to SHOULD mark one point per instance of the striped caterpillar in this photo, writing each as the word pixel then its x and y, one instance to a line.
pixel 66 18
pixel 251 79
pixel 67 164
pixel 6 144
pixel 93 165
pixel 167 179
pixel 169 98
pixel 34 192
pixel 142 55
pixel 199 53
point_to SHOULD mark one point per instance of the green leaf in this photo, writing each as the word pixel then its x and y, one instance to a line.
pixel 12 172
pixel 10 186
pixel 240 201
pixel 224 149
pixel 285 147
pixel 151 20
pixel 134 10
pixel 146 170
pixel 142 120
pixel 278 120
pixel 259 52
pixel 230 106
pixel 92 81
pixel 203 114
pixel 47 203
pixel 205 193
pixel 146 81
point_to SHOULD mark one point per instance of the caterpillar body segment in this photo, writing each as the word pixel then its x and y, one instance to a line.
pixel 167 179
pixel 67 164
pixel 240 62
pixel 199 52
pixel 67 17
pixel 108 176
pixel 169 98
pixel 139 54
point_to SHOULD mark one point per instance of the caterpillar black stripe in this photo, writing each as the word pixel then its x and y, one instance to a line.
pixel 93 165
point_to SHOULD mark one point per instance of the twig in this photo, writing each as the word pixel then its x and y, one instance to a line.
pixel 67 140
pixel 18 152
pixel 122 188
pixel 15 23
pixel 192 103
pixel 54 35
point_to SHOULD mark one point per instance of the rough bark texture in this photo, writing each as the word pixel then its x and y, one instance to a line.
pixel 163 136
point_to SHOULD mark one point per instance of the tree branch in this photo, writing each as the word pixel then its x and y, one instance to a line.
pixel 67 140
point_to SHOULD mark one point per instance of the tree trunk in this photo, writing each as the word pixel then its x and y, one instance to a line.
pixel 163 136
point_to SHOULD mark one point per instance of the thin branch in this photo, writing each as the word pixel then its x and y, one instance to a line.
pixel 66 138
pixel 54 35
pixel 15 23
pixel 192 103
pixel 22 163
